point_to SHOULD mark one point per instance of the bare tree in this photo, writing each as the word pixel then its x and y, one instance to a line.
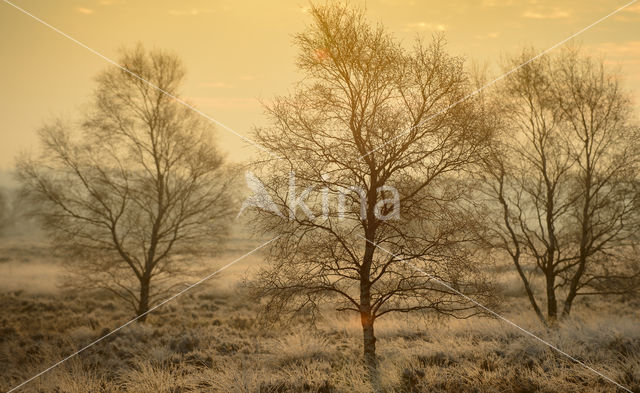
pixel 605 146
pixel 528 175
pixel 371 130
pixel 566 143
pixel 134 190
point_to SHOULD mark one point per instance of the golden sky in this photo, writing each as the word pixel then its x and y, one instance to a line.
pixel 238 53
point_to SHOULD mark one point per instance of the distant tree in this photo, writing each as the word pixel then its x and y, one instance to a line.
pixel 137 188
pixel 604 142
pixel 4 211
pixel 370 122
pixel 562 179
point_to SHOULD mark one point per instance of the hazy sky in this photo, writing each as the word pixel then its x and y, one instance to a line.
pixel 238 53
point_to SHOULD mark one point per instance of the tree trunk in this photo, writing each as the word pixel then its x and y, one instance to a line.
pixel 585 239
pixel 367 319
pixel 567 305
pixel 552 303
pixel 515 255
pixel 531 296
pixel 143 304
pixel 369 349
pixel 573 287
pixel 366 313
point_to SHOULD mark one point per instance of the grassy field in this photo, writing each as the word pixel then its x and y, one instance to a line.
pixel 209 340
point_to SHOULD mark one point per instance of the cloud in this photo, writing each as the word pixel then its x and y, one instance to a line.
pixel 225 102
pixel 217 85
pixel 397 3
pixel 629 14
pixel 85 11
pixel 624 53
pixel 192 12
pixel 422 26
pixel 553 14
pixel 633 8
pixel 497 3
pixel 492 35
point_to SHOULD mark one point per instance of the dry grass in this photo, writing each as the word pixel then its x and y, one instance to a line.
pixel 208 340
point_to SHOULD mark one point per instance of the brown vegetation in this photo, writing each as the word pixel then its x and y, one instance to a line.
pixel 210 340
